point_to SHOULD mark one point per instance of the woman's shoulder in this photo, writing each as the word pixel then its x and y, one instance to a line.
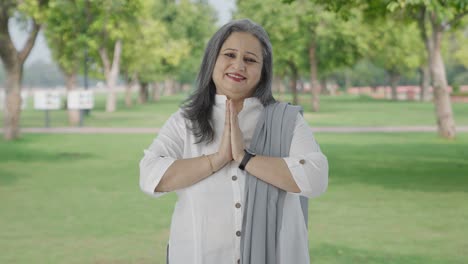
pixel 177 120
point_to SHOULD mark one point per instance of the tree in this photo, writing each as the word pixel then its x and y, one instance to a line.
pixel 109 24
pixel 307 39
pixel 193 22
pixel 396 48
pixel 32 12
pixel 65 32
pixel 436 17
pixel 159 46
pixel 287 38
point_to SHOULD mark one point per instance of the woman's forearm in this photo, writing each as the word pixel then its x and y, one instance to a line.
pixel 273 170
pixel 186 172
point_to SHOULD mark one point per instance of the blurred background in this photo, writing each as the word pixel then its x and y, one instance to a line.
pixel 85 86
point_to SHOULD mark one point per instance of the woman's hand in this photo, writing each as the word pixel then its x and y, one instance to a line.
pixel 237 139
pixel 232 141
pixel 224 154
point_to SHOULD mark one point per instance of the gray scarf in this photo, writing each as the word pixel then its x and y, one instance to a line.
pixel 263 209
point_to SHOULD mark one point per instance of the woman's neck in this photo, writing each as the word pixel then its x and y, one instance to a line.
pixel 238 104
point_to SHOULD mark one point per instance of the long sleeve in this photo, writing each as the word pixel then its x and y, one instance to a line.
pixel 164 150
pixel 306 162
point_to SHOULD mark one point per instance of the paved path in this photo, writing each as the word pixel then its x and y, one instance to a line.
pixel 147 130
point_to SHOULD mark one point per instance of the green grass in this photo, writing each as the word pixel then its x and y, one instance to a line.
pixel 392 198
pixel 342 110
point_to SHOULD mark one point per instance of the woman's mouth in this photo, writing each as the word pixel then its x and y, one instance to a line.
pixel 235 77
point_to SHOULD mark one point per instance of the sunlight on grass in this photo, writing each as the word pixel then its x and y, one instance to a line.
pixel 392 198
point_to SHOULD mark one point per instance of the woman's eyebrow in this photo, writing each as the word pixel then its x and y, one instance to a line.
pixel 249 52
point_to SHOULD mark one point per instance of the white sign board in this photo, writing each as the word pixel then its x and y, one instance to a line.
pixel 24 99
pixel 81 99
pixel 47 100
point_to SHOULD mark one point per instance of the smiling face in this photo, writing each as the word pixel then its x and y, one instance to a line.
pixel 238 67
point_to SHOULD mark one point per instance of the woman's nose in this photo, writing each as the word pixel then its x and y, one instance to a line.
pixel 239 64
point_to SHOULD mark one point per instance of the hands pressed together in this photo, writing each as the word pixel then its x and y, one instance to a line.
pixel 232 143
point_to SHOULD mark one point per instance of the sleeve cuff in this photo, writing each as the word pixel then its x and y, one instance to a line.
pixel 159 167
pixel 310 172
pixel 295 165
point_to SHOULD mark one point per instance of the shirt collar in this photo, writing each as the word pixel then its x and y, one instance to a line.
pixel 249 103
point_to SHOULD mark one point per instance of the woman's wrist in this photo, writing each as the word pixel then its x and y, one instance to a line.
pixel 238 158
pixel 218 161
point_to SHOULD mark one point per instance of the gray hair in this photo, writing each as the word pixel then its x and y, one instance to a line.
pixel 198 107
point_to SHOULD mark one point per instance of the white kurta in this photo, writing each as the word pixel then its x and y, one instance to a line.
pixel 207 219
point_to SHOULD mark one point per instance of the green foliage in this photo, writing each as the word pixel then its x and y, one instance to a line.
pixel 66 33
pixel 458 45
pixel 287 37
pixel 148 46
pixel 293 27
pixel 443 11
pixel 396 46
pixel 73 26
pixel 168 40
pixel 191 23
pixel 41 74
pixel 35 9
pixel 365 73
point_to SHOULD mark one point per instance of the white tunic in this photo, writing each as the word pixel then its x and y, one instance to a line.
pixel 207 215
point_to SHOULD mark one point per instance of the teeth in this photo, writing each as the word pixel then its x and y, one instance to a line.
pixel 235 76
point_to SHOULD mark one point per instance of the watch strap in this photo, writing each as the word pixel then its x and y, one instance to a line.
pixel 248 155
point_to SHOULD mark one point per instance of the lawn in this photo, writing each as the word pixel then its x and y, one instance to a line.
pixel 392 198
pixel 342 110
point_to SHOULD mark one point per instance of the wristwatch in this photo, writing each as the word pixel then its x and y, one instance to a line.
pixel 248 155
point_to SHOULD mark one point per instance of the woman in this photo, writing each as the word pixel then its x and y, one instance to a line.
pixel 235 206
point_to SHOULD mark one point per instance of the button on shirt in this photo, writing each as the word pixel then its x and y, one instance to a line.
pixel 206 225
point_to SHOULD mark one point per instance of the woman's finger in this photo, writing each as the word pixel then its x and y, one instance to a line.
pixel 237 139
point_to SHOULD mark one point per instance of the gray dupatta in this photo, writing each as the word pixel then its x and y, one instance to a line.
pixel 263 206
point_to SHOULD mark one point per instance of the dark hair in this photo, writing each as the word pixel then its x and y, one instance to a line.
pixel 199 106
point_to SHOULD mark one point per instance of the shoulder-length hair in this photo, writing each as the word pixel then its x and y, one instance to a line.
pixel 199 105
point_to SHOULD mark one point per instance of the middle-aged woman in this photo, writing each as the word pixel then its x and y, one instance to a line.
pixel 242 164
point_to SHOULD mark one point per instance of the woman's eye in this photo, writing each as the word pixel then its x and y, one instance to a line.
pixel 230 55
pixel 250 60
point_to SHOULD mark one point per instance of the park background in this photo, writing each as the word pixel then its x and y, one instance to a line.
pixel 398 182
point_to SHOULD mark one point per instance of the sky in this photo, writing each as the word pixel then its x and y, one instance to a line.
pixel 42 52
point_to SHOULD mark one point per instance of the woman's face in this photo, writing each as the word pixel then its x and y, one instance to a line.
pixel 238 67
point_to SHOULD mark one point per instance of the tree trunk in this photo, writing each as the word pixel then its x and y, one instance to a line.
pixel 156 92
pixel 129 90
pixel 144 93
pixel 73 114
pixel 276 84
pixel 169 86
pixel 13 61
pixel 394 80
pixel 347 79
pixel 177 86
pixel 425 68
pixel 128 94
pixel 323 86
pixel 12 111
pixel 424 82
pixel 282 88
pixel 111 72
pixel 315 86
pixel 293 82
pixel 443 105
